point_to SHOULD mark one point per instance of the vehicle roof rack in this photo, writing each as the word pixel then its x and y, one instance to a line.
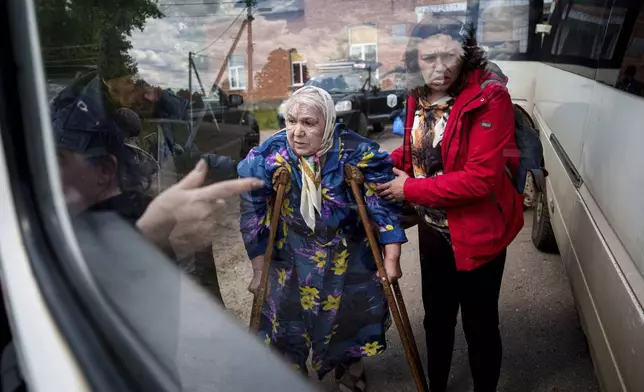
pixel 346 65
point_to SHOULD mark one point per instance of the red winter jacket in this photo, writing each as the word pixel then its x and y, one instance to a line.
pixel 484 210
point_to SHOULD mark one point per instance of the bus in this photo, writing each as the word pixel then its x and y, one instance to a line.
pixel 583 88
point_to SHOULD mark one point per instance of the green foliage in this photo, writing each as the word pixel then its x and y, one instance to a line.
pixel 77 35
pixel 266 119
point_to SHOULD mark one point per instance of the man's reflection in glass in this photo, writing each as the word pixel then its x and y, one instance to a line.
pixel 99 171
pixel 86 171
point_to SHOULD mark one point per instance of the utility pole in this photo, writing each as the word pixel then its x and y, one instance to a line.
pixel 249 50
pixel 190 54
pixel 230 52
pixel 249 22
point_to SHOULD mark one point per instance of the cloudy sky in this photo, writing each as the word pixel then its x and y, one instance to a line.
pixel 162 48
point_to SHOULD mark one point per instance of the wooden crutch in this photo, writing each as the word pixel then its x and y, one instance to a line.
pixel 354 178
pixel 282 183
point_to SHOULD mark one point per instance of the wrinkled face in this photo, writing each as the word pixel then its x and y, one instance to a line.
pixel 85 182
pixel 304 129
pixel 439 58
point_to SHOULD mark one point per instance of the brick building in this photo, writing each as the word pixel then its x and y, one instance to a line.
pixel 288 41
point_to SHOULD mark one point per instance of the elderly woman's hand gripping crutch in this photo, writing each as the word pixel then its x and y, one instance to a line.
pixel 353 177
pixel 318 287
pixel 392 289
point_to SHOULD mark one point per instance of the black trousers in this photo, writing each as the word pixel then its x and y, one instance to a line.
pixel 477 293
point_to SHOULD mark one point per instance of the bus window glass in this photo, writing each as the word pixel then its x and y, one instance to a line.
pixel 143 91
pixel 579 33
pixel 579 30
pixel 630 72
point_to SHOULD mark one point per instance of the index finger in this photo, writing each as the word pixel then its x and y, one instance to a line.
pixel 230 188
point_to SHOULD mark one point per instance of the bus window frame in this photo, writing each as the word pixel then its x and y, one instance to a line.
pixel 615 62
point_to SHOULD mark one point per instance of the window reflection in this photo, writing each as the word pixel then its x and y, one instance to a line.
pixel 183 81
pixel 503 27
pixel 579 33
pixel 237 72
pixel 631 78
pixel 299 68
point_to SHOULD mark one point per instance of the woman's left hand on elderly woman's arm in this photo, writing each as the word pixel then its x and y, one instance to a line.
pixel 395 189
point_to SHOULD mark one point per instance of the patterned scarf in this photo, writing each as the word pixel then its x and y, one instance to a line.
pixel 426 136
pixel 432 118
pixel 311 166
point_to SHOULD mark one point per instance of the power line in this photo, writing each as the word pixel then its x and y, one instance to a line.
pixel 209 57
pixel 195 16
pixel 224 32
pixel 190 16
pixel 254 4
pixel 212 3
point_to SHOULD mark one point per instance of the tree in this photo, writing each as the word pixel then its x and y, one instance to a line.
pixel 84 34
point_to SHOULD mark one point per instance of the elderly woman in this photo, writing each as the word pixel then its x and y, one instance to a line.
pixel 323 292
pixel 459 143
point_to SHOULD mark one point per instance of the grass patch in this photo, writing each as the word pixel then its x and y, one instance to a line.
pixel 266 119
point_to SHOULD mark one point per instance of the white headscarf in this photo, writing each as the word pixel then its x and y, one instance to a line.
pixel 311 197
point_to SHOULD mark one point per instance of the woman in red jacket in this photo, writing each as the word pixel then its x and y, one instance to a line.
pixel 459 140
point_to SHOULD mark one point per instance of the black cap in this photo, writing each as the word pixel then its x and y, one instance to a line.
pixel 82 122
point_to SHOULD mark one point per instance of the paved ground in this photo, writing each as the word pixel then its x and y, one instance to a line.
pixel 544 347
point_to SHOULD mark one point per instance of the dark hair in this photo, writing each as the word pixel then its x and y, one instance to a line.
pixel 473 58
pixel 630 71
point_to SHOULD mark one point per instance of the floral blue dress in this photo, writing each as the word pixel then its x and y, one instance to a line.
pixel 323 293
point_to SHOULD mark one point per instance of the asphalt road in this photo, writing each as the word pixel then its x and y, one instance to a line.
pixel 544 348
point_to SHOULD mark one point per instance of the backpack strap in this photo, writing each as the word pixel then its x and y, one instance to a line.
pixel 488 81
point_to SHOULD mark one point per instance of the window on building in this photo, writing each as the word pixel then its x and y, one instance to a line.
pixel 237 72
pixel 363 43
pixel 364 52
pixel 300 73
pixel 503 27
